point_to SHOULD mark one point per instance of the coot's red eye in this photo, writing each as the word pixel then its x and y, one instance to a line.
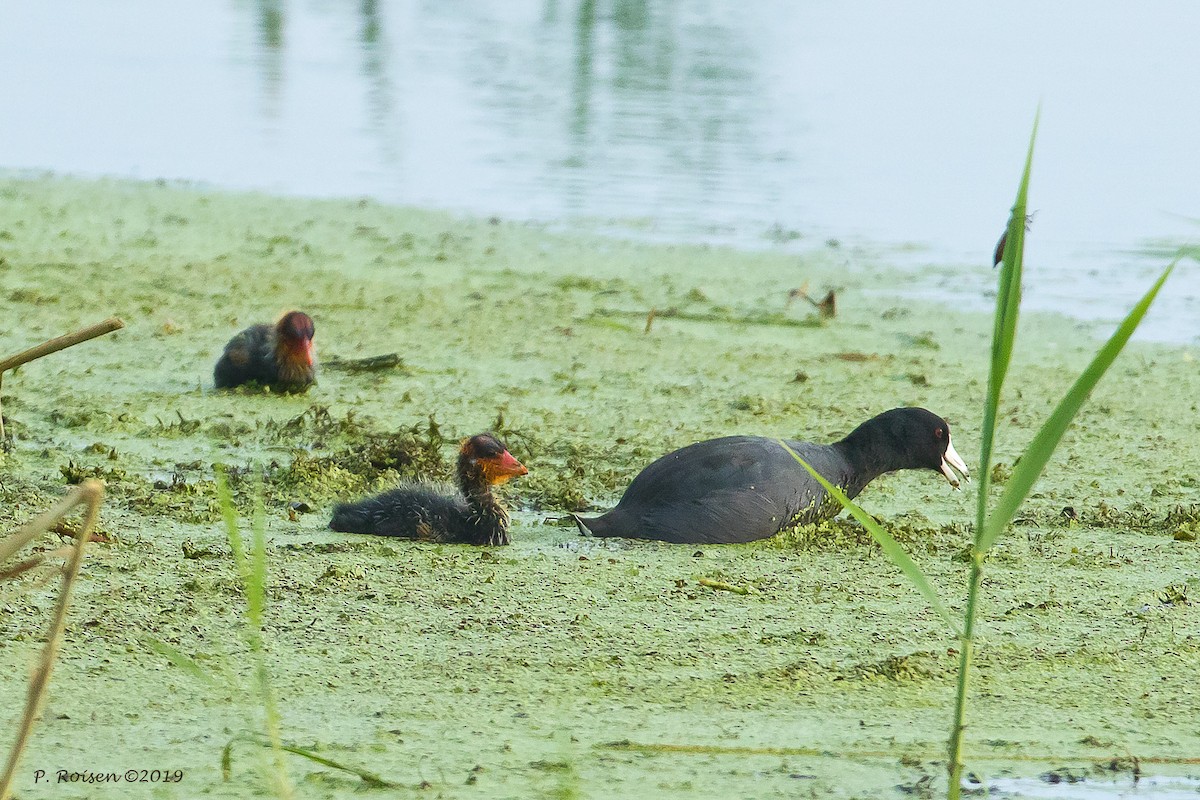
pixel 937 433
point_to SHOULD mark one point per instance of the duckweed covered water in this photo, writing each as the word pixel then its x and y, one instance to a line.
pixel 564 666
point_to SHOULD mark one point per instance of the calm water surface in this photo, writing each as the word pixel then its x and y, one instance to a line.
pixel 764 124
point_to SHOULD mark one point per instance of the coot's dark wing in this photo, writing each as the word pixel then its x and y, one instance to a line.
pixel 734 489
pixel 247 358
pixel 719 517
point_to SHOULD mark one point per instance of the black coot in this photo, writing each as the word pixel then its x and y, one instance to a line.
pixel 742 488
pixel 422 512
pixel 280 356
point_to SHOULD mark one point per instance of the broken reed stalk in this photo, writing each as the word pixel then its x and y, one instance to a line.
pixel 53 346
pixel 722 586
pixel 89 494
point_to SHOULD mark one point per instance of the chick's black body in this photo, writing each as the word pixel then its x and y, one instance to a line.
pixel 419 511
pixel 279 356
pixel 742 488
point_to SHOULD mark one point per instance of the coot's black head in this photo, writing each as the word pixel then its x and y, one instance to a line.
pixel 488 454
pixel 912 438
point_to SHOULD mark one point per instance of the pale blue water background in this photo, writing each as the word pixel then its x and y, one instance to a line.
pixel 896 124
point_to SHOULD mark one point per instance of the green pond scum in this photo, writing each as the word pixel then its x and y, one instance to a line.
pixel 562 666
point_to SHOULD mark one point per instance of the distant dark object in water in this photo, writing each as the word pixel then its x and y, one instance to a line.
pixel 826 308
pixel 742 488
pixel 280 356
pixel 421 512
pixel 998 254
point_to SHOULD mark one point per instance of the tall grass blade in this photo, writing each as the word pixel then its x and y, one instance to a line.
pixel 369 778
pixel 229 517
pixel 256 572
pixel 179 659
pixel 372 780
pixel 252 569
pixel 1004 333
pixel 1034 459
pixel 890 546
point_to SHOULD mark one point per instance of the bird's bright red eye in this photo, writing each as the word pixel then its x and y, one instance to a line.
pixel 937 433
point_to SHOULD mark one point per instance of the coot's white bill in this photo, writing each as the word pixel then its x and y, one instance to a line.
pixel 953 459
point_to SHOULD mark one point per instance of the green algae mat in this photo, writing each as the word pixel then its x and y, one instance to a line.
pixel 560 666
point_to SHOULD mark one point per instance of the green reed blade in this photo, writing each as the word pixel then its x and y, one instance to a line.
pixel 1008 303
pixel 890 546
pixel 229 516
pixel 1033 460
pixel 179 659
pixel 369 778
pixel 256 575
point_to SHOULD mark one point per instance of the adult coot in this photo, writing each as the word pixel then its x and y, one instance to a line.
pixel 418 511
pixel 280 356
pixel 742 488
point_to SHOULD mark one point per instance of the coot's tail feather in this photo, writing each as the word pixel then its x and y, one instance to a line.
pixel 605 525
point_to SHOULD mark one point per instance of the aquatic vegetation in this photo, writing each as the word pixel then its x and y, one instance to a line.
pixel 597 641
pixel 914 666
pixel 838 534
pixel 175 497
pixel 371 461
pixel 567 475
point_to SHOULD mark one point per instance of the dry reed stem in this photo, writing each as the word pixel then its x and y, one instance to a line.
pixel 53 346
pixel 34 561
pixel 722 586
pixel 89 494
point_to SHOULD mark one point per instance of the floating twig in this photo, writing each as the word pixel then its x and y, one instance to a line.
pixel 53 346
pixel 717 317
pixel 722 586
pixel 62 342
pixel 368 364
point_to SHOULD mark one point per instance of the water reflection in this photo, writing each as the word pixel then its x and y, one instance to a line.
pixel 720 120
pixel 270 27
pixel 581 88
pixel 627 110
pixel 375 73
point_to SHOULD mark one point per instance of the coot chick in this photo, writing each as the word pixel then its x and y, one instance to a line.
pixel 419 511
pixel 742 488
pixel 280 356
